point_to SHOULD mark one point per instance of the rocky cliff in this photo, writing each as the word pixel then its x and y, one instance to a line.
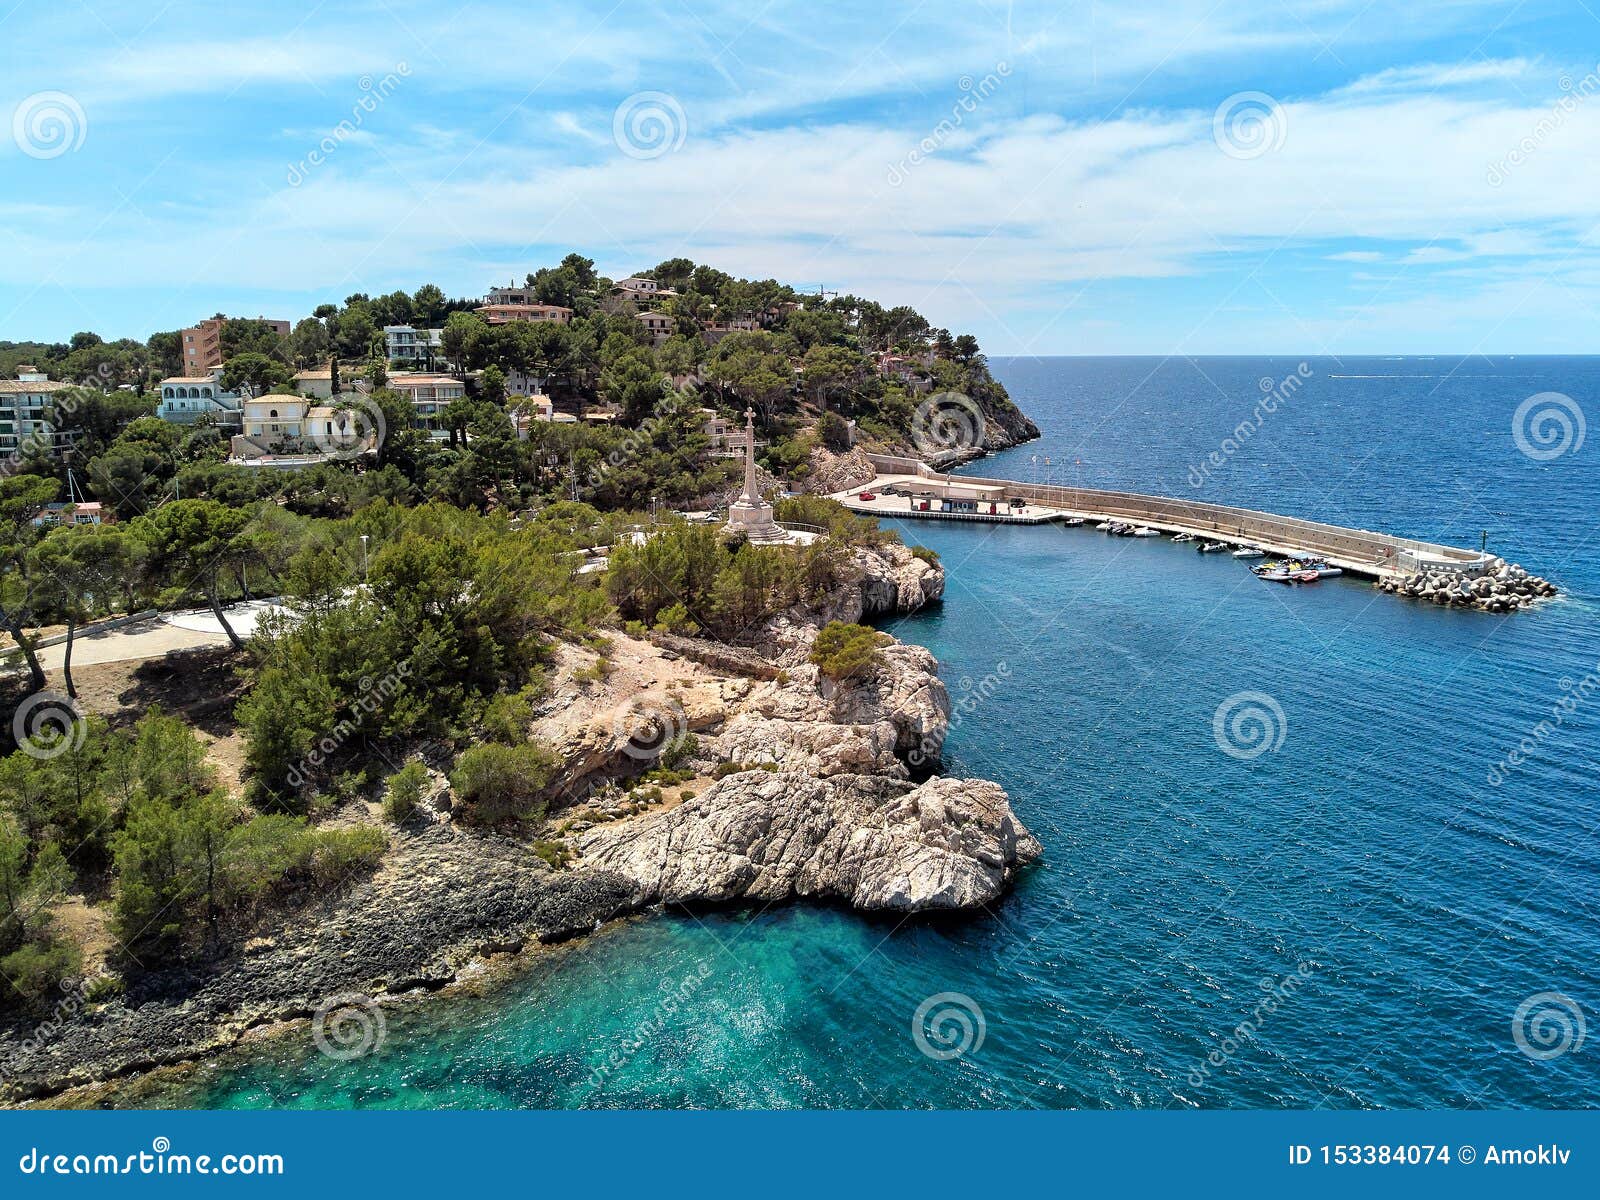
pixel 820 804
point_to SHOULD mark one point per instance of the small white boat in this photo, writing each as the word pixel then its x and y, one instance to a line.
pixel 1183 537
pixel 1249 552
pixel 1212 547
pixel 1074 522
pixel 1103 526
pixel 1144 531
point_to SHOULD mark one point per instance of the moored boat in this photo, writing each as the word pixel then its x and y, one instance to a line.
pixel 1183 537
pixel 1249 552
pixel 1144 531
pixel 1212 547
pixel 1292 571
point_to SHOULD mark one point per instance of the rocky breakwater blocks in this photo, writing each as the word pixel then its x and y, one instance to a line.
pixel 1504 587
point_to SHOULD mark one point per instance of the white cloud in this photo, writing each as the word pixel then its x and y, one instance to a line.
pixel 1432 77
pixel 1433 254
pixel 984 232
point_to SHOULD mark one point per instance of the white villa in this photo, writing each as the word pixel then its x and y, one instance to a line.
pixel 292 431
pixel 660 325
pixel 642 291
pixel 185 399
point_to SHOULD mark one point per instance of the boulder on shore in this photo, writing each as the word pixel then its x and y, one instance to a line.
pixel 876 844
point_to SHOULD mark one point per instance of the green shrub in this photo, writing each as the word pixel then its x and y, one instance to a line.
pixel 926 553
pixel 403 793
pixel 636 629
pixel 35 971
pixel 834 432
pixel 507 718
pixel 103 988
pixel 844 651
pixel 496 784
pixel 680 751
pixel 675 618
pixel 723 770
pixel 337 854
pixel 557 854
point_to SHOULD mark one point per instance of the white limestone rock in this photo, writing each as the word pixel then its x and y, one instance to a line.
pixel 877 844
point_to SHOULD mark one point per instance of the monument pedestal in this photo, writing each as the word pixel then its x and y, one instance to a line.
pixel 755 520
pixel 751 514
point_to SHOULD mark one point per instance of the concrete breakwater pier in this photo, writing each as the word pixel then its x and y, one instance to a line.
pixel 1403 566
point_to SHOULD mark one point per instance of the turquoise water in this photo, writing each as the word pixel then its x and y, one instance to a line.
pixel 1361 897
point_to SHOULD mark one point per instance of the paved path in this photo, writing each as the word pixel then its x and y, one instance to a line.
pixel 156 635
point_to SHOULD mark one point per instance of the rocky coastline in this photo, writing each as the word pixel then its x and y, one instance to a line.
pixel 820 805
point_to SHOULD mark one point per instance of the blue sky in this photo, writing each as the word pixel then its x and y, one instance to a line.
pixel 1186 178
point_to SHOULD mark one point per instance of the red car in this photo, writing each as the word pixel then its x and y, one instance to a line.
pixel 867 496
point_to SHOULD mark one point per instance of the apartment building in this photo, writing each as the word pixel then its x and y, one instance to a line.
pixel 405 344
pixel 23 404
pixel 429 396
pixel 202 344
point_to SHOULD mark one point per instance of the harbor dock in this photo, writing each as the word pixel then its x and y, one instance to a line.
pixel 903 487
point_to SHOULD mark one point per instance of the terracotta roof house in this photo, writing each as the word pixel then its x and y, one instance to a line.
pixel 506 314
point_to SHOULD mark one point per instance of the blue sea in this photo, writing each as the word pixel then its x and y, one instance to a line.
pixel 1290 857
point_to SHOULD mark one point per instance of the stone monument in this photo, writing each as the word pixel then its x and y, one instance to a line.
pixel 750 512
